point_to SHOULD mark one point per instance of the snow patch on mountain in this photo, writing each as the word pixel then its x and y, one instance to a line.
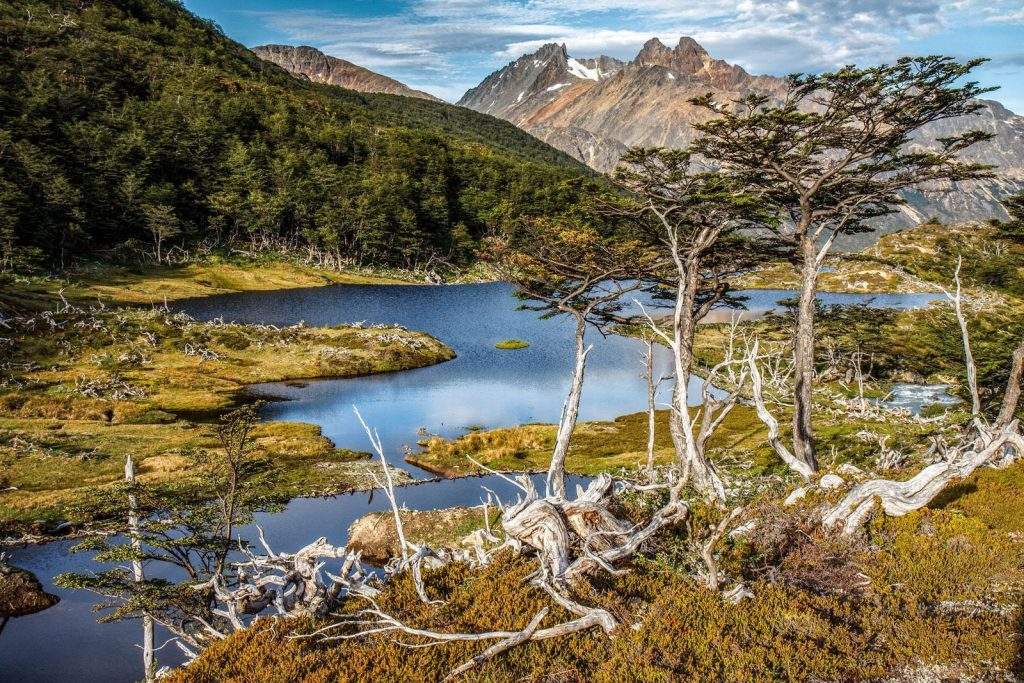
pixel 580 71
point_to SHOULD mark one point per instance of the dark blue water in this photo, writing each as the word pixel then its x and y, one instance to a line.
pixel 65 643
pixel 482 386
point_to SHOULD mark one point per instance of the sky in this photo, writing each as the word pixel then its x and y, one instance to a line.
pixel 448 46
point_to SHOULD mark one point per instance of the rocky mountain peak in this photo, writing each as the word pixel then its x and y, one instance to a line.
pixel 688 49
pixel 312 64
pixel 654 52
pixel 551 50
pixel 688 57
pixel 596 108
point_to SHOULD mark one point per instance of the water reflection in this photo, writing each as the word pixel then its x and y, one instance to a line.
pixel 483 386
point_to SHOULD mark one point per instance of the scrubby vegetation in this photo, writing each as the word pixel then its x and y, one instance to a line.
pixel 921 595
pixel 82 387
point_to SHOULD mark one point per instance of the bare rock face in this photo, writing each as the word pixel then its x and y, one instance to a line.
pixel 595 109
pixel 593 150
pixel 21 593
pixel 308 62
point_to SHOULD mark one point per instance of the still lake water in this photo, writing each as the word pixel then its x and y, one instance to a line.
pixel 483 387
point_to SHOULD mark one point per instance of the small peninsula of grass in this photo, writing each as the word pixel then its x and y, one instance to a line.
pixel 512 344
pixel 82 387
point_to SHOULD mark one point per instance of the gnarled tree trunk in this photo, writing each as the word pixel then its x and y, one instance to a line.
pixel 1011 397
pixel 900 497
pixel 693 460
pixel 803 356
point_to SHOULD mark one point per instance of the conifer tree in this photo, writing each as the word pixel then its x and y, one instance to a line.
pixel 836 152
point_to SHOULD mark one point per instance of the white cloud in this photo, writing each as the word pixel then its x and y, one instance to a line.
pixel 441 45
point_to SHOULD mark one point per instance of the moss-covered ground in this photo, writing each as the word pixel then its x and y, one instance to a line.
pixel 82 387
pixel 934 599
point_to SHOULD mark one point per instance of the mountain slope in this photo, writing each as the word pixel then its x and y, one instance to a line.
pixel 130 128
pixel 308 62
pixel 596 114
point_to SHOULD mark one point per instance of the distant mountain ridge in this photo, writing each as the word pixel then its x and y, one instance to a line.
pixel 595 109
pixel 311 63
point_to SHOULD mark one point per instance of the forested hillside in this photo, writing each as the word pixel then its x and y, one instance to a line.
pixel 131 127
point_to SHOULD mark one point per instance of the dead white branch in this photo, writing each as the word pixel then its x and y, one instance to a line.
pixel 956 298
pixel 774 438
pixel 900 497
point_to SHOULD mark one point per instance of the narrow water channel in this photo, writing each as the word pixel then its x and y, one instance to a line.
pixel 483 387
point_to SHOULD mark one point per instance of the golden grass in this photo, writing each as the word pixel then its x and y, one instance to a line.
pixel 156 284
pixel 57 464
pixel 60 441
pixel 596 446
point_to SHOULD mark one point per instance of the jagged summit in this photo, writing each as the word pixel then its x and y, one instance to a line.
pixel 653 52
pixel 596 108
pixel 535 79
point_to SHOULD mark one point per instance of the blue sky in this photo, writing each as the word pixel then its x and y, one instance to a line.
pixel 447 46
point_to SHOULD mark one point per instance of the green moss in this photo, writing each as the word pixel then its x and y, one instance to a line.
pixel 512 344
pixel 102 384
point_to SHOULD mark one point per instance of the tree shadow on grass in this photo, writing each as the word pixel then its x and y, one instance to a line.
pixel 953 494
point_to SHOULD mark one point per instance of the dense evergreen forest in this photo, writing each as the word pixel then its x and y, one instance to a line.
pixel 130 128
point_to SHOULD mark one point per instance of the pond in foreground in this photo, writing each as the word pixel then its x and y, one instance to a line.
pixel 483 386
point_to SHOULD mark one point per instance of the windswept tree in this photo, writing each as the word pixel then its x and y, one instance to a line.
pixel 702 229
pixel 192 535
pixel 836 152
pixel 564 267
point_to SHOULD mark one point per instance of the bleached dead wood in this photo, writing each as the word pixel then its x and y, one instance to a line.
pixel 386 484
pixel 956 298
pixel 139 576
pixel 555 486
pixel 996 446
pixel 774 438
pixel 707 551
pixel 374 621
pixel 694 462
pixel 900 497
pixel 652 390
